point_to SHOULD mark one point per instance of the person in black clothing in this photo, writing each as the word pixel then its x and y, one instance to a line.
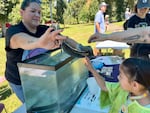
pixel 140 19
pixel 25 36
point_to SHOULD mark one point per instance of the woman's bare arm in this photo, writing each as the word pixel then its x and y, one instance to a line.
pixel 136 35
pixel 49 40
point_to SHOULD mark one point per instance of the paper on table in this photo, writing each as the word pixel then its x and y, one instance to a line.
pixel 90 102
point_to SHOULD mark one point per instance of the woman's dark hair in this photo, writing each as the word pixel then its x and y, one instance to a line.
pixel 26 3
pixel 125 25
pixel 135 8
pixel 138 70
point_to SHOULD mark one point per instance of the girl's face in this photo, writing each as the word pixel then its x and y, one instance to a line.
pixel 129 84
pixel 124 80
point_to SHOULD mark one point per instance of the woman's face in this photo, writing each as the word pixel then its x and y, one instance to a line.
pixel 142 11
pixel 31 15
pixel 124 80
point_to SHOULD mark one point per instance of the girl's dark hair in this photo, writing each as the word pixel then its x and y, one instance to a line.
pixel 138 70
pixel 26 3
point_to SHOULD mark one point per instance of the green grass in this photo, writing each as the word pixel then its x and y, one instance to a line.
pixel 80 33
pixel 119 23
pixel 2 56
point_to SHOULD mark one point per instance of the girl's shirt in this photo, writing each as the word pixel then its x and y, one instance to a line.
pixel 116 98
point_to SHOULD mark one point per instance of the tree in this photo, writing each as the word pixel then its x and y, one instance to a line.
pixel 110 9
pixel 76 6
pixel 14 17
pixel 6 7
pixel 60 8
pixel 68 18
pixel 119 10
pixel 93 8
pixel 46 11
pixel 130 4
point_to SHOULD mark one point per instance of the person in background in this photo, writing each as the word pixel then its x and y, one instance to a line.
pixel 106 21
pixel 99 22
pixel 23 38
pixel 127 14
pixel 132 93
pixel 140 19
pixel 125 24
pixel 99 18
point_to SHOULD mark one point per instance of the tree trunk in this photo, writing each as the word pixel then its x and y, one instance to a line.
pixel 3 29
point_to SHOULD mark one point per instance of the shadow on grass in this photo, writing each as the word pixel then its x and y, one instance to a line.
pixel 89 24
pixel 65 27
pixel 5 92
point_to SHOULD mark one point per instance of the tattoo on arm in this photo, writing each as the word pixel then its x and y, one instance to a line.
pixel 149 35
pixel 132 38
pixel 30 41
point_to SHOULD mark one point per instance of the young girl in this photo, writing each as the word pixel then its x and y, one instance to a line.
pixel 132 93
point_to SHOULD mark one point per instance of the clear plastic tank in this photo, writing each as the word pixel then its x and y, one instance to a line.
pixel 52 82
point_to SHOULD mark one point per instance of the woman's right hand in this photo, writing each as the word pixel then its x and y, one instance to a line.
pixel 51 40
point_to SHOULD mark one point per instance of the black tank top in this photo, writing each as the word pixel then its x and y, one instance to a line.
pixel 13 56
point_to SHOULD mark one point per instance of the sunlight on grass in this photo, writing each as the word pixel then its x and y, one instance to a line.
pixel 80 33
pixel 11 103
pixel 2 56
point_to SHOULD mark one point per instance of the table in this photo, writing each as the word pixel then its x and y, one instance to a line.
pixel 83 105
pixel 112 47
pixel 112 44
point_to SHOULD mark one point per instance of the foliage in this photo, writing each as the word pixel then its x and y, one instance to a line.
pixel 14 17
pixel 119 10
pixel 110 9
pixel 68 18
pixel 6 8
pixel 75 11
pixel 93 8
pixel 84 14
pixel 48 11
pixel 88 11
pixel 130 4
pixel 60 7
pixel 75 7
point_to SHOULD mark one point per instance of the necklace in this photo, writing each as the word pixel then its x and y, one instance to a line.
pixel 138 97
pixel 124 108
